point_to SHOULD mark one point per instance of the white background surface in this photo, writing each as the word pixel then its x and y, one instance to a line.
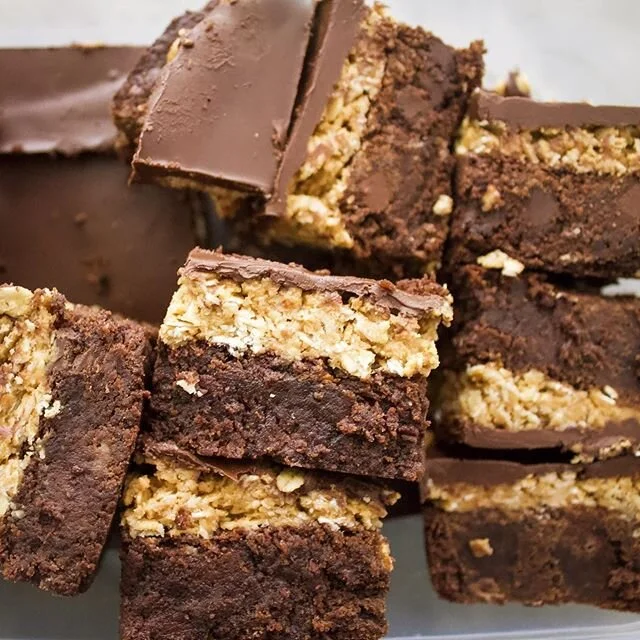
pixel 571 50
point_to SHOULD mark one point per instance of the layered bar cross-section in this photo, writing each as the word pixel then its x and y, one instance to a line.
pixel 499 531
pixel 261 359
pixel 555 186
pixel 239 551
pixel 341 171
pixel 72 381
pixel 534 365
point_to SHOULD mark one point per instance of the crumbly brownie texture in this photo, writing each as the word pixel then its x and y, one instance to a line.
pixel 572 554
pixel 534 179
pixel 499 532
pixel 305 581
pixel 261 359
pixel 84 205
pixel 299 413
pixel 534 365
pixel 235 551
pixel 73 387
pixel 131 101
pixel 56 100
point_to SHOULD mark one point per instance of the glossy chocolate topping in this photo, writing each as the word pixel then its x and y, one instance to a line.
pixel 221 110
pixel 447 470
pixel 58 100
pixel 383 292
pixel 335 28
pixel 523 113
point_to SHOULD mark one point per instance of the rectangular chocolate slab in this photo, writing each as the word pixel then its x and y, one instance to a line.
pixel 70 412
pixel 258 358
pixel 537 365
pixel 555 186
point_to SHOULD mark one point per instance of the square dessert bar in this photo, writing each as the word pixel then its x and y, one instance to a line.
pixel 500 531
pixel 343 167
pixel 555 186
pixel 261 359
pixel 534 365
pixel 72 382
pixel 217 550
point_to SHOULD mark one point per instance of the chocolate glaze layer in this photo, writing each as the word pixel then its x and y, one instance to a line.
pixel 336 25
pixel 523 113
pixel 429 297
pixel 221 110
pixel 589 441
pixel 443 469
pixel 58 100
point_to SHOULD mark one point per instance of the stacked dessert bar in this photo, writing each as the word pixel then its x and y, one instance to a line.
pixel 532 492
pixel 334 160
pixel 281 398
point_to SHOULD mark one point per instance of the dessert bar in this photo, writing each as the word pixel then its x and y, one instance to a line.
pixel 499 531
pixel 536 365
pixel 72 391
pixel 261 359
pixel 217 550
pixel 374 103
pixel 554 186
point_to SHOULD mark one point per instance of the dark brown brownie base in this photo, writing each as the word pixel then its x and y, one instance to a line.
pixel 69 497
pixel 300 414
pixel 552 220
pixel 577 337
pixel 286 583
pixel 130 103
pixel 580 554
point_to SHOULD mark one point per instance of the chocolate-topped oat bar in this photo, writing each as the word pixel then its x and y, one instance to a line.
pixel 534 365
pixel 72 381
pixel 555 186
pixel 238 551
pixel 375 102
pixel 537 533
pixel 261 359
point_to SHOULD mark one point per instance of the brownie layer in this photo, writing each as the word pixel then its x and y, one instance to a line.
pixel 57 99
pixel 56 523
pixel 299 413
pixel 575 553
pixel 534 179
pixel 285 582
pixel 102 224
pixel 535 365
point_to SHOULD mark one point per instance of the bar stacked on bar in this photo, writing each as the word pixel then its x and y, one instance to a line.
pixel 64 193
pixel 532 495
pixel 334 159
pixel 72 381
pixel 271 384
